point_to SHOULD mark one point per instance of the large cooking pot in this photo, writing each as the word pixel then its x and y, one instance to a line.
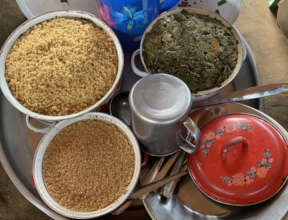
pixel 26 26
pixel 241 50
pixel 40 152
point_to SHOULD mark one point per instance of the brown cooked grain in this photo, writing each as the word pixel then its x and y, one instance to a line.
pixel 88 165
pixel 61 66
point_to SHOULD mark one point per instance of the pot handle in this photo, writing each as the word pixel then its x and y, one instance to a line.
pixel 134 67
pixel 45 130
pixel 189 144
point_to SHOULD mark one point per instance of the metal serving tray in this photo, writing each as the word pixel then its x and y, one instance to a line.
pixel 18 144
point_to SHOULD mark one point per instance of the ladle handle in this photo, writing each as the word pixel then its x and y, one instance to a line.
pixel 259 91
pixel 246 94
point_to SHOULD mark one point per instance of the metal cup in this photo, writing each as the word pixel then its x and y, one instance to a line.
pixel 160 135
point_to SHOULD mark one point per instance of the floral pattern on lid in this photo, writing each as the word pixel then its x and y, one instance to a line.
pixel 261 170
pixel 211 137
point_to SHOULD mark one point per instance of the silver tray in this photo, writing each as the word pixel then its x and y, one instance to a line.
pixel 18 144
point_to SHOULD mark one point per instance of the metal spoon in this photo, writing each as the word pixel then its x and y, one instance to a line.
pixel 119 107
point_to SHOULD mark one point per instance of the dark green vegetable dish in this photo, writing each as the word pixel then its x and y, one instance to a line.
pixel 196 48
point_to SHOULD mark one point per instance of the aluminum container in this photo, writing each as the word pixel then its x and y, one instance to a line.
pixel 162 134
pixel 36 20
pixel 241 50
pixel 40 152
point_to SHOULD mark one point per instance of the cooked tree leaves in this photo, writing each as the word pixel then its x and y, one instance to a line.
pixel 196 48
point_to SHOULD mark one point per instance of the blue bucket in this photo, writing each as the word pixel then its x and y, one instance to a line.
pixel 129 18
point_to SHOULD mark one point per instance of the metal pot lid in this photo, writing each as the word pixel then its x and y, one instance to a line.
pixel 242 160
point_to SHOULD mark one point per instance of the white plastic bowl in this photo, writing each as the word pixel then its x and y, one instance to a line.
pixel 33 8
pixel 40 152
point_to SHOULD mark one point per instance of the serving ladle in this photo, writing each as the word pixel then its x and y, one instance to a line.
pixel 119 105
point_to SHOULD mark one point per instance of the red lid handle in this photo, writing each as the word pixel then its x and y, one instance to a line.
pixel 234 142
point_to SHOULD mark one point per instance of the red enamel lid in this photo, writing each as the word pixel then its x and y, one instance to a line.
pixel 242 160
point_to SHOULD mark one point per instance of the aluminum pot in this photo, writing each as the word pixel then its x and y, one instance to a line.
pixel 40 152
pixel 26 26
pixel 241 50
pixel 163 130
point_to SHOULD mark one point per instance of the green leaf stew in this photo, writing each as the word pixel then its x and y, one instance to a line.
pixel 196 48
